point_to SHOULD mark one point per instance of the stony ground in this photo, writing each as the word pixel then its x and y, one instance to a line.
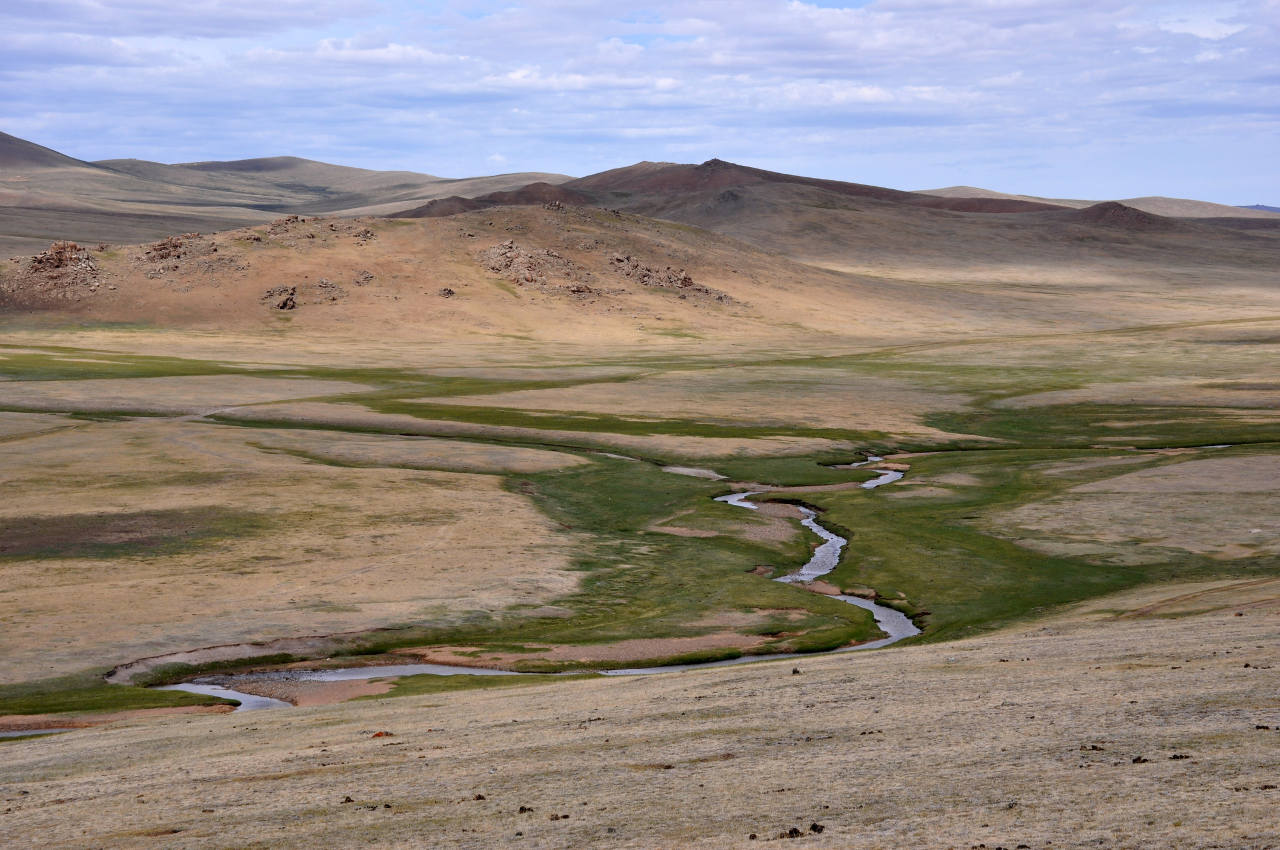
pixel 1088 730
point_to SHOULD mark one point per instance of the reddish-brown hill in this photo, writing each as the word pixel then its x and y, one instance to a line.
pixel 531 195
pixel 1116 215
pixel 656 178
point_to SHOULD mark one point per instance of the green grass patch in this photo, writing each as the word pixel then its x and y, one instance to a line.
pixel 934 553
pixel 640 583
pixel 87 692
pixel 1083 425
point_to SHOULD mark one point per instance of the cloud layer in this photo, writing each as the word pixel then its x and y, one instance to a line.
pixel 1087 98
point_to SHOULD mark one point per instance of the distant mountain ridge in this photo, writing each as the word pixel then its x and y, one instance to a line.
pixel 46 195
pixel 1156 204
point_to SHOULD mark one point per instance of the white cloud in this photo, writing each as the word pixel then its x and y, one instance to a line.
pixel 574 85
pixel 1204 21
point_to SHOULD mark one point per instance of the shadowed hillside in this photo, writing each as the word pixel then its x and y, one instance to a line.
pixel 877 231
pixel 45 195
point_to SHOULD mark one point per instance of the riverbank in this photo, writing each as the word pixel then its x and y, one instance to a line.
pixel 267 690
pixel 1062 731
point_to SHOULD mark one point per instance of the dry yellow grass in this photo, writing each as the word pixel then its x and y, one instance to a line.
pixel 411 452
pixel 780 396
pixel 1222 507
pixel 323 548
pixel 1062 732
pixel 974 742
pixel 338 415
pixel 16 425
pixel 191 394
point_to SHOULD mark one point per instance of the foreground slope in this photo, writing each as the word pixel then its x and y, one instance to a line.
pixel 1145 720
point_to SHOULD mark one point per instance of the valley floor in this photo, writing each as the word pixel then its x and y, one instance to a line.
pixel 396 448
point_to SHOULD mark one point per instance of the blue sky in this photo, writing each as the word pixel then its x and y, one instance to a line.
pixel 1067 98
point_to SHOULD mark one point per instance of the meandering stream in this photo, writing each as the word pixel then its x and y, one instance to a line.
pixel 895 625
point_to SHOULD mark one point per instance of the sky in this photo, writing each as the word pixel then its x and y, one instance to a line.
pixel 1059 98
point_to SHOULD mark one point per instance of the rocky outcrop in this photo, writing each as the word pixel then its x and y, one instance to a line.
pixel 64 272
pixel 542 268
pixel 668 277
pixel 664 278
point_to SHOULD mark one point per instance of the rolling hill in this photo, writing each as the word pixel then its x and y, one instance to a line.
pixel 1156 204
pixel 45 195
pixel 380 418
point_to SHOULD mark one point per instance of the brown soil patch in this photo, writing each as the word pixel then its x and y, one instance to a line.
pixel 912 489
pixel 781 510
pixel 1220 507
pixel 744 619
pixel 98 534
pixel 303 693
pixel 683 532
pixel 1089 465
pixel 1237 596
pixel 81 720
pixel 823 587
pixel 958 479
pixel 1164 393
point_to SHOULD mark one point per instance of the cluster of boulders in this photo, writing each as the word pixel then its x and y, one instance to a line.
pixel 290 228
pixel 665 278
pixel 323 291
pixel 284 225
pixel 66 271
pixel 632 268
pixel 327 290
pixel 63 255
pixel 542 268
pixel 161 259
pixel 282 297
pixel 174 247
pixel 550 271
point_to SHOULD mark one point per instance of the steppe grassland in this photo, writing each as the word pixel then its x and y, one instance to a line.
pixel 984 536
pixel 753 415
pixel 334 530
pixel 778 396
pixel 163 535
pixel 627 511
pixel 1111 724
